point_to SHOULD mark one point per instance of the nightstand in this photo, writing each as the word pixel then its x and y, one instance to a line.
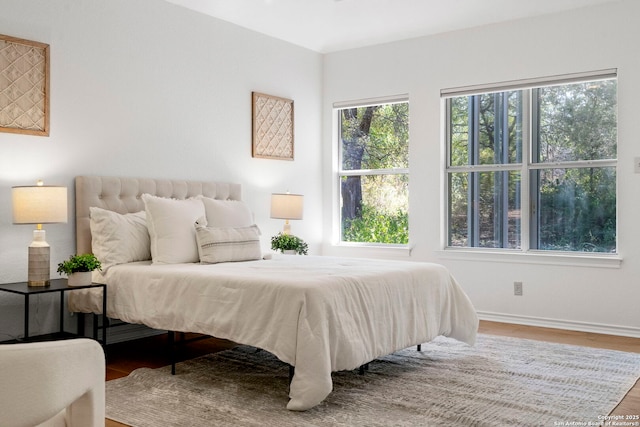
pixel 60 286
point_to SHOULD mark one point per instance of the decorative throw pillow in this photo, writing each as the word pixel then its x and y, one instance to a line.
pixel 170 223
pixel 118 238
pixel 227 213
pixel 228 244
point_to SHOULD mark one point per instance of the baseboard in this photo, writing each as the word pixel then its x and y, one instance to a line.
pixel 625 331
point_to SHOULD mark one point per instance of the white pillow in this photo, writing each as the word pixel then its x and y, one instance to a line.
pixel 228 244
pixel 171 228
pixel 227 213
pixel 118 238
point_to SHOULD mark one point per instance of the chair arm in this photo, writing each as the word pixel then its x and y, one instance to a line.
pixel 41 379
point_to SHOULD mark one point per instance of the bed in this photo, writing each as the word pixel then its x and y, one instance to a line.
pixel 318 314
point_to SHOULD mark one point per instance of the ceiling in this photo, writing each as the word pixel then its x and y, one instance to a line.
pixel 332 25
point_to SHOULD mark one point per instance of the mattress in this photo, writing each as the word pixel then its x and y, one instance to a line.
pixel 319 314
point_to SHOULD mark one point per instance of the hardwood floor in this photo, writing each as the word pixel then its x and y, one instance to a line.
pixel 122 358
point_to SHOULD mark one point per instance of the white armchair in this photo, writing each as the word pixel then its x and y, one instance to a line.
pixel 54 383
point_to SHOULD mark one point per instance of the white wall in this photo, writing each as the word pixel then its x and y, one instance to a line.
pixel 580 297
pixel 146 88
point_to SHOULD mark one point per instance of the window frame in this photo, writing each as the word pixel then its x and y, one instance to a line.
pixel 528 219
pixel 339 172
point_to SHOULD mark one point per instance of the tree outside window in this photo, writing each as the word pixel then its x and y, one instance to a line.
pixel 374 173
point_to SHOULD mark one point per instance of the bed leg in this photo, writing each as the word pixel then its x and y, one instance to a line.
pixel 95 327
pixel 292 371
pixel 81 319
pixel 363 368
pixel 419 347
pixel 172 351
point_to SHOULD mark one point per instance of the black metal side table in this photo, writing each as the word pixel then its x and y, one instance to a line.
pixel 60 286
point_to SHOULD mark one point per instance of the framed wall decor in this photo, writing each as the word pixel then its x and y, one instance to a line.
pixel 272 126
pixel 24 86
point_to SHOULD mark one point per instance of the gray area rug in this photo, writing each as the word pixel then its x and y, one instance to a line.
pixel 499 382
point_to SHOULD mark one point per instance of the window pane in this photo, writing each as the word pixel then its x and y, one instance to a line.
pixel 382 214
pixel 459 148
pixel 486 129
pixel 374 206
pixel 577 122
pixel 577 209
pixel 484 209
pixel 375 137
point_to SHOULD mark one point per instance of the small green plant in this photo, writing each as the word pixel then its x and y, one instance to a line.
pixel 79 263
pixel 288 242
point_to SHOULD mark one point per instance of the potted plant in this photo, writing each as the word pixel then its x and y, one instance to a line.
pixel 78 268
pixel 288 243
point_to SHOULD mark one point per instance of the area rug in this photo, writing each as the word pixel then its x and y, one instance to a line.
pixel 501 381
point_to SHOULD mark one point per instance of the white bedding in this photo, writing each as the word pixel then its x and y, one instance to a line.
pixel 319 314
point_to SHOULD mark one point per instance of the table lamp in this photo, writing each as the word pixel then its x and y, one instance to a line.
pixel 39 204
pixel 286 206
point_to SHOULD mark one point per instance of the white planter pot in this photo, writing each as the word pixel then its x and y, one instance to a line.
pixel 290 252
pixel 79 279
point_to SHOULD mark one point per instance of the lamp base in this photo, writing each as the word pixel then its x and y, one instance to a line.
pixel 39 250
pixel 287 228
pixel 38 284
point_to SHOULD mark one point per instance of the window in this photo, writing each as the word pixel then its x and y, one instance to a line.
pixel 533 167
pixel 373 172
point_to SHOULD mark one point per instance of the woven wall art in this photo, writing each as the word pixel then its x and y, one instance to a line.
pixel 24 86
pixel 272 127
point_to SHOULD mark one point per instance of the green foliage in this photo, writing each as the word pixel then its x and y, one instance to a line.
pixel 578 122
pixel 574 217
pixel 288 242
pixel 375 137
pixel 377 227
pixel 79 263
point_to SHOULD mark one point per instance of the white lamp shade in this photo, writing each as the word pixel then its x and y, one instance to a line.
pixel 286 206
pixel 39 204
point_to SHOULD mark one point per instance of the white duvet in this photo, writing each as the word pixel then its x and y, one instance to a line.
pixel 319 314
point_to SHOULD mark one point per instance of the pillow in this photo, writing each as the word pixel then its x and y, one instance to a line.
pixel 170 223
pixel 227 213
pixel 228 244
pixel 118 238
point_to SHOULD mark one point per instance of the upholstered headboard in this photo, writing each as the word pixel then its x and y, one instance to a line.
pixel 123 195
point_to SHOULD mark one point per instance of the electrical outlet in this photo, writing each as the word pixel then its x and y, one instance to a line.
pixel 517 289
pixel 636 164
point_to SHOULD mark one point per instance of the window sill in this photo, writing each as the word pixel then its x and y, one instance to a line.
pixel 369 250
pixel 533 257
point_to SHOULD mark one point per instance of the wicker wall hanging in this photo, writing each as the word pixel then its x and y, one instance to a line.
pixel 272 127
pixel 24 86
